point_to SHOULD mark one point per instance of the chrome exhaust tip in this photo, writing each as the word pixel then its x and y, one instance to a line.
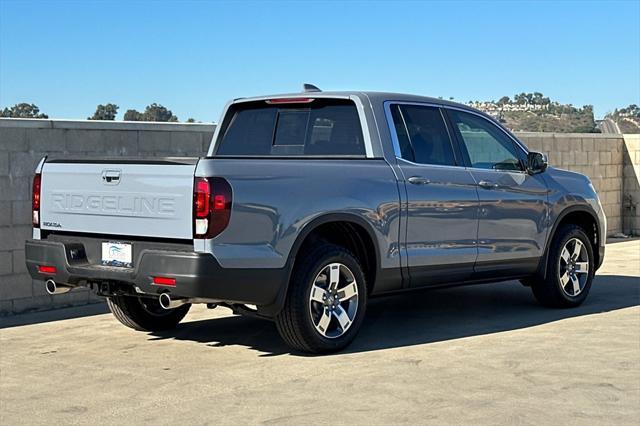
pixel 53 288
pixel 167 303
pixel 165 300
pixel 50 286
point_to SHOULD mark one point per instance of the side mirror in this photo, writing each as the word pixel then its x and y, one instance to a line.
pixel 536 162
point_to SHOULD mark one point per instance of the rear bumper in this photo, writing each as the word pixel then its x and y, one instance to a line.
pixel 197 274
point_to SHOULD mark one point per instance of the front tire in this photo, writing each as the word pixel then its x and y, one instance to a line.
pixel 145 314
pixel 570 270
pixel 326 301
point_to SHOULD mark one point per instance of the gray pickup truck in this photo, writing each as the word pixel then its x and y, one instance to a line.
pixel 308 204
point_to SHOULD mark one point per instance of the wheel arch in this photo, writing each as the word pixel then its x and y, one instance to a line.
pixel 371 262
pixel 583 216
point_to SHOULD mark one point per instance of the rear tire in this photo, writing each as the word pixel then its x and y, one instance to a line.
pixel 145 314
pixel 326 301
pixel 570 270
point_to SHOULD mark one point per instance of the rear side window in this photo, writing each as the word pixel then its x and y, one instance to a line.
pixel 422 135
pixel 322 127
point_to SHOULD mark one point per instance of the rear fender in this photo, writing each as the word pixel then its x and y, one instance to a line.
pixel 276 306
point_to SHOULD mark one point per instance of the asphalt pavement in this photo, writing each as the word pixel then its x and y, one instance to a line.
pixel 477 355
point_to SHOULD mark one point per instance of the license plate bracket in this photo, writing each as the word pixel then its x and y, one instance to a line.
pixel 117 253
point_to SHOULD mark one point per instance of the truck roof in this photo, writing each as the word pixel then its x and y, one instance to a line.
pixel 373 96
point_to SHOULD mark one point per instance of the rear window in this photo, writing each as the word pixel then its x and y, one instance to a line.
pixel 322 127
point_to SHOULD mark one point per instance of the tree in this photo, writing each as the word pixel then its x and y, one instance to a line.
pixel 191 120
pixel 504 100
pixel 632 111
pixel 132 115
pixel 105 112
pixel 23 110
pixel 156 112
pixel 537 98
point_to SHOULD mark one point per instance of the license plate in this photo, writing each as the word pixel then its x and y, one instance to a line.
pixel 116 254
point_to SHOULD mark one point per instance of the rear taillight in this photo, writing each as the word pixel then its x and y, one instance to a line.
pixel 35 200
pixel 211 206
pixel 201 198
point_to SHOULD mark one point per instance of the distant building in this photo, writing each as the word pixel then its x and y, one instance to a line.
pixel 495 109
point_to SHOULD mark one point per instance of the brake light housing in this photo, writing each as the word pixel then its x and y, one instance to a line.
pixel 35 200
pixel 212 199
pixel 277 101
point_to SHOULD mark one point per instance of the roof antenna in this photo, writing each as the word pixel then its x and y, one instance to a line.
pixel 310 88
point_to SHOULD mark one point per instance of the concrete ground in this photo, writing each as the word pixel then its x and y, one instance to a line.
pixel 484 354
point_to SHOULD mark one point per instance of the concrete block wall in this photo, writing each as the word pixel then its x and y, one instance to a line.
pixel 611 161
pixel 599 156
pixel 24 142
pixel 631 185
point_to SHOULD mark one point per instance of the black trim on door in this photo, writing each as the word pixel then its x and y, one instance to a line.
pixel 426 276
pixel 460 154
pixel 455 139
pixel 505 268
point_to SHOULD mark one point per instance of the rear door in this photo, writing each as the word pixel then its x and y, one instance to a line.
pixel 131 198
pixel 513 204
pixel 442 200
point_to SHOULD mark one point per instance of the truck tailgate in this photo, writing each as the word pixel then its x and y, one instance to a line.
pixel 126 197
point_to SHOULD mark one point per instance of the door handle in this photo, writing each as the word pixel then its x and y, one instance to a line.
pixel 486 184
pixel 417 180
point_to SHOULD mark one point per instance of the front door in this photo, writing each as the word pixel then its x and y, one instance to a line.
pixel 513 204
pixel 442 200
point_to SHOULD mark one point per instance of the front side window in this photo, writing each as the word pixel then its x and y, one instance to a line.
pixel 488 146
pixel 322 127
pixel 422 135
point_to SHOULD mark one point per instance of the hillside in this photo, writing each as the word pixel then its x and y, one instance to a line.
pixel 580 121
pixel 627 119
pixel 533 112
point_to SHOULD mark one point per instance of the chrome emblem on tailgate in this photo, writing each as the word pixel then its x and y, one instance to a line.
pixel 110 177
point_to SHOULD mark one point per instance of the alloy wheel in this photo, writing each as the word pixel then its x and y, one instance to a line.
pixel 573 267
pixel 333 300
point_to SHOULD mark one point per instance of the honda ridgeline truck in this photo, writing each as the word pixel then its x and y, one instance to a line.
pixel 307 205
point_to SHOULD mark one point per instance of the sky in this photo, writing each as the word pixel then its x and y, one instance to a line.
pixel 194 56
